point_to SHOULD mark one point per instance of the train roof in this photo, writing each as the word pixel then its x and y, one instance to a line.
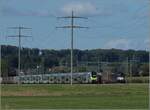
pixel 79 73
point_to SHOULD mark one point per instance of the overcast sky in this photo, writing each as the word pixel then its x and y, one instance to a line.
pixel 121 24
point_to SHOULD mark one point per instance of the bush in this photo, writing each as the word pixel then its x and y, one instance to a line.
pixel 137 80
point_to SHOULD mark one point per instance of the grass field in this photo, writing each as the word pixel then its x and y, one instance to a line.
pixel 44 96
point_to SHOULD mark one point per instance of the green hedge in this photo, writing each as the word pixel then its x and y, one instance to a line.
pixel 137 80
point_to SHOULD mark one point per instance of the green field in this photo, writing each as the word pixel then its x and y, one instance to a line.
pixel 44 96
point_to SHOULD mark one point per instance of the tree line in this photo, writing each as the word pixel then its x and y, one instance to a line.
pixel 50 58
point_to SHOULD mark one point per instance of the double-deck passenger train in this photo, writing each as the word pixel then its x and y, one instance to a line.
pixel 59 78
pixel 56 78
pixel 65 78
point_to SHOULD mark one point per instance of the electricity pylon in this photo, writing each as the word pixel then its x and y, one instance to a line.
pixel 72 27
pixel 19 45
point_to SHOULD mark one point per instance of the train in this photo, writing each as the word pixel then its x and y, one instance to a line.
pixel 61 78
pixel 54 78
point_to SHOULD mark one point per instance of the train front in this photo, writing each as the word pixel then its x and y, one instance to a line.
pixel 93 77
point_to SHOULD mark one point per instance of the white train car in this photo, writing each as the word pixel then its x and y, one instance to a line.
pixel 59 78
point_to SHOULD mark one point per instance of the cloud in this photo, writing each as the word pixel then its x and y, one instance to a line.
pixel 82 8
pixel 126 44
pixel 10 11
pixel 119 44
pixel 79 8
pixel 147 44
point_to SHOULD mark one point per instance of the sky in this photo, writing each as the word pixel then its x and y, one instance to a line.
pixel 120 24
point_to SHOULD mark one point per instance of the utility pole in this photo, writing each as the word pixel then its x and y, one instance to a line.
pixel 72 27
pixel 132 60
pixel 98 64
pixel 127 67
pixel 77 55
pixel 130 70
pixel 0 63
pixel 0 74
pixel 19 36
pixel 149 69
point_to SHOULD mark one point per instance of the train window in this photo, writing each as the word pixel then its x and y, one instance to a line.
pixel 67 79
pixel 58 78
pixel 21 78
pixel 51 79
pixel 37 78
pixel 75 79
pixel 63 77
pixel 32 78
pixel 84 79
pixel 94 74
pixel 28 78
pixel 45 78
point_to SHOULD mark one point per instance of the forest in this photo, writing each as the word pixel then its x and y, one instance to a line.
pixel 50 60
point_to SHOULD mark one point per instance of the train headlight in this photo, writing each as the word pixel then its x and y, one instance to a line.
pixel 120 78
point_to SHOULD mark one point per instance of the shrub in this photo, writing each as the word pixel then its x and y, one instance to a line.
pixel 137 79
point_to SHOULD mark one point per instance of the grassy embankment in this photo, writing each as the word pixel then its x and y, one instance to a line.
pixel 44 96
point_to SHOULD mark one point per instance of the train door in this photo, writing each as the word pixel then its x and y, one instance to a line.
pixel 99 78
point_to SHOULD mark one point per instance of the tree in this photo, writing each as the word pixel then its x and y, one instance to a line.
pixel 144 69
pixel 4 67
